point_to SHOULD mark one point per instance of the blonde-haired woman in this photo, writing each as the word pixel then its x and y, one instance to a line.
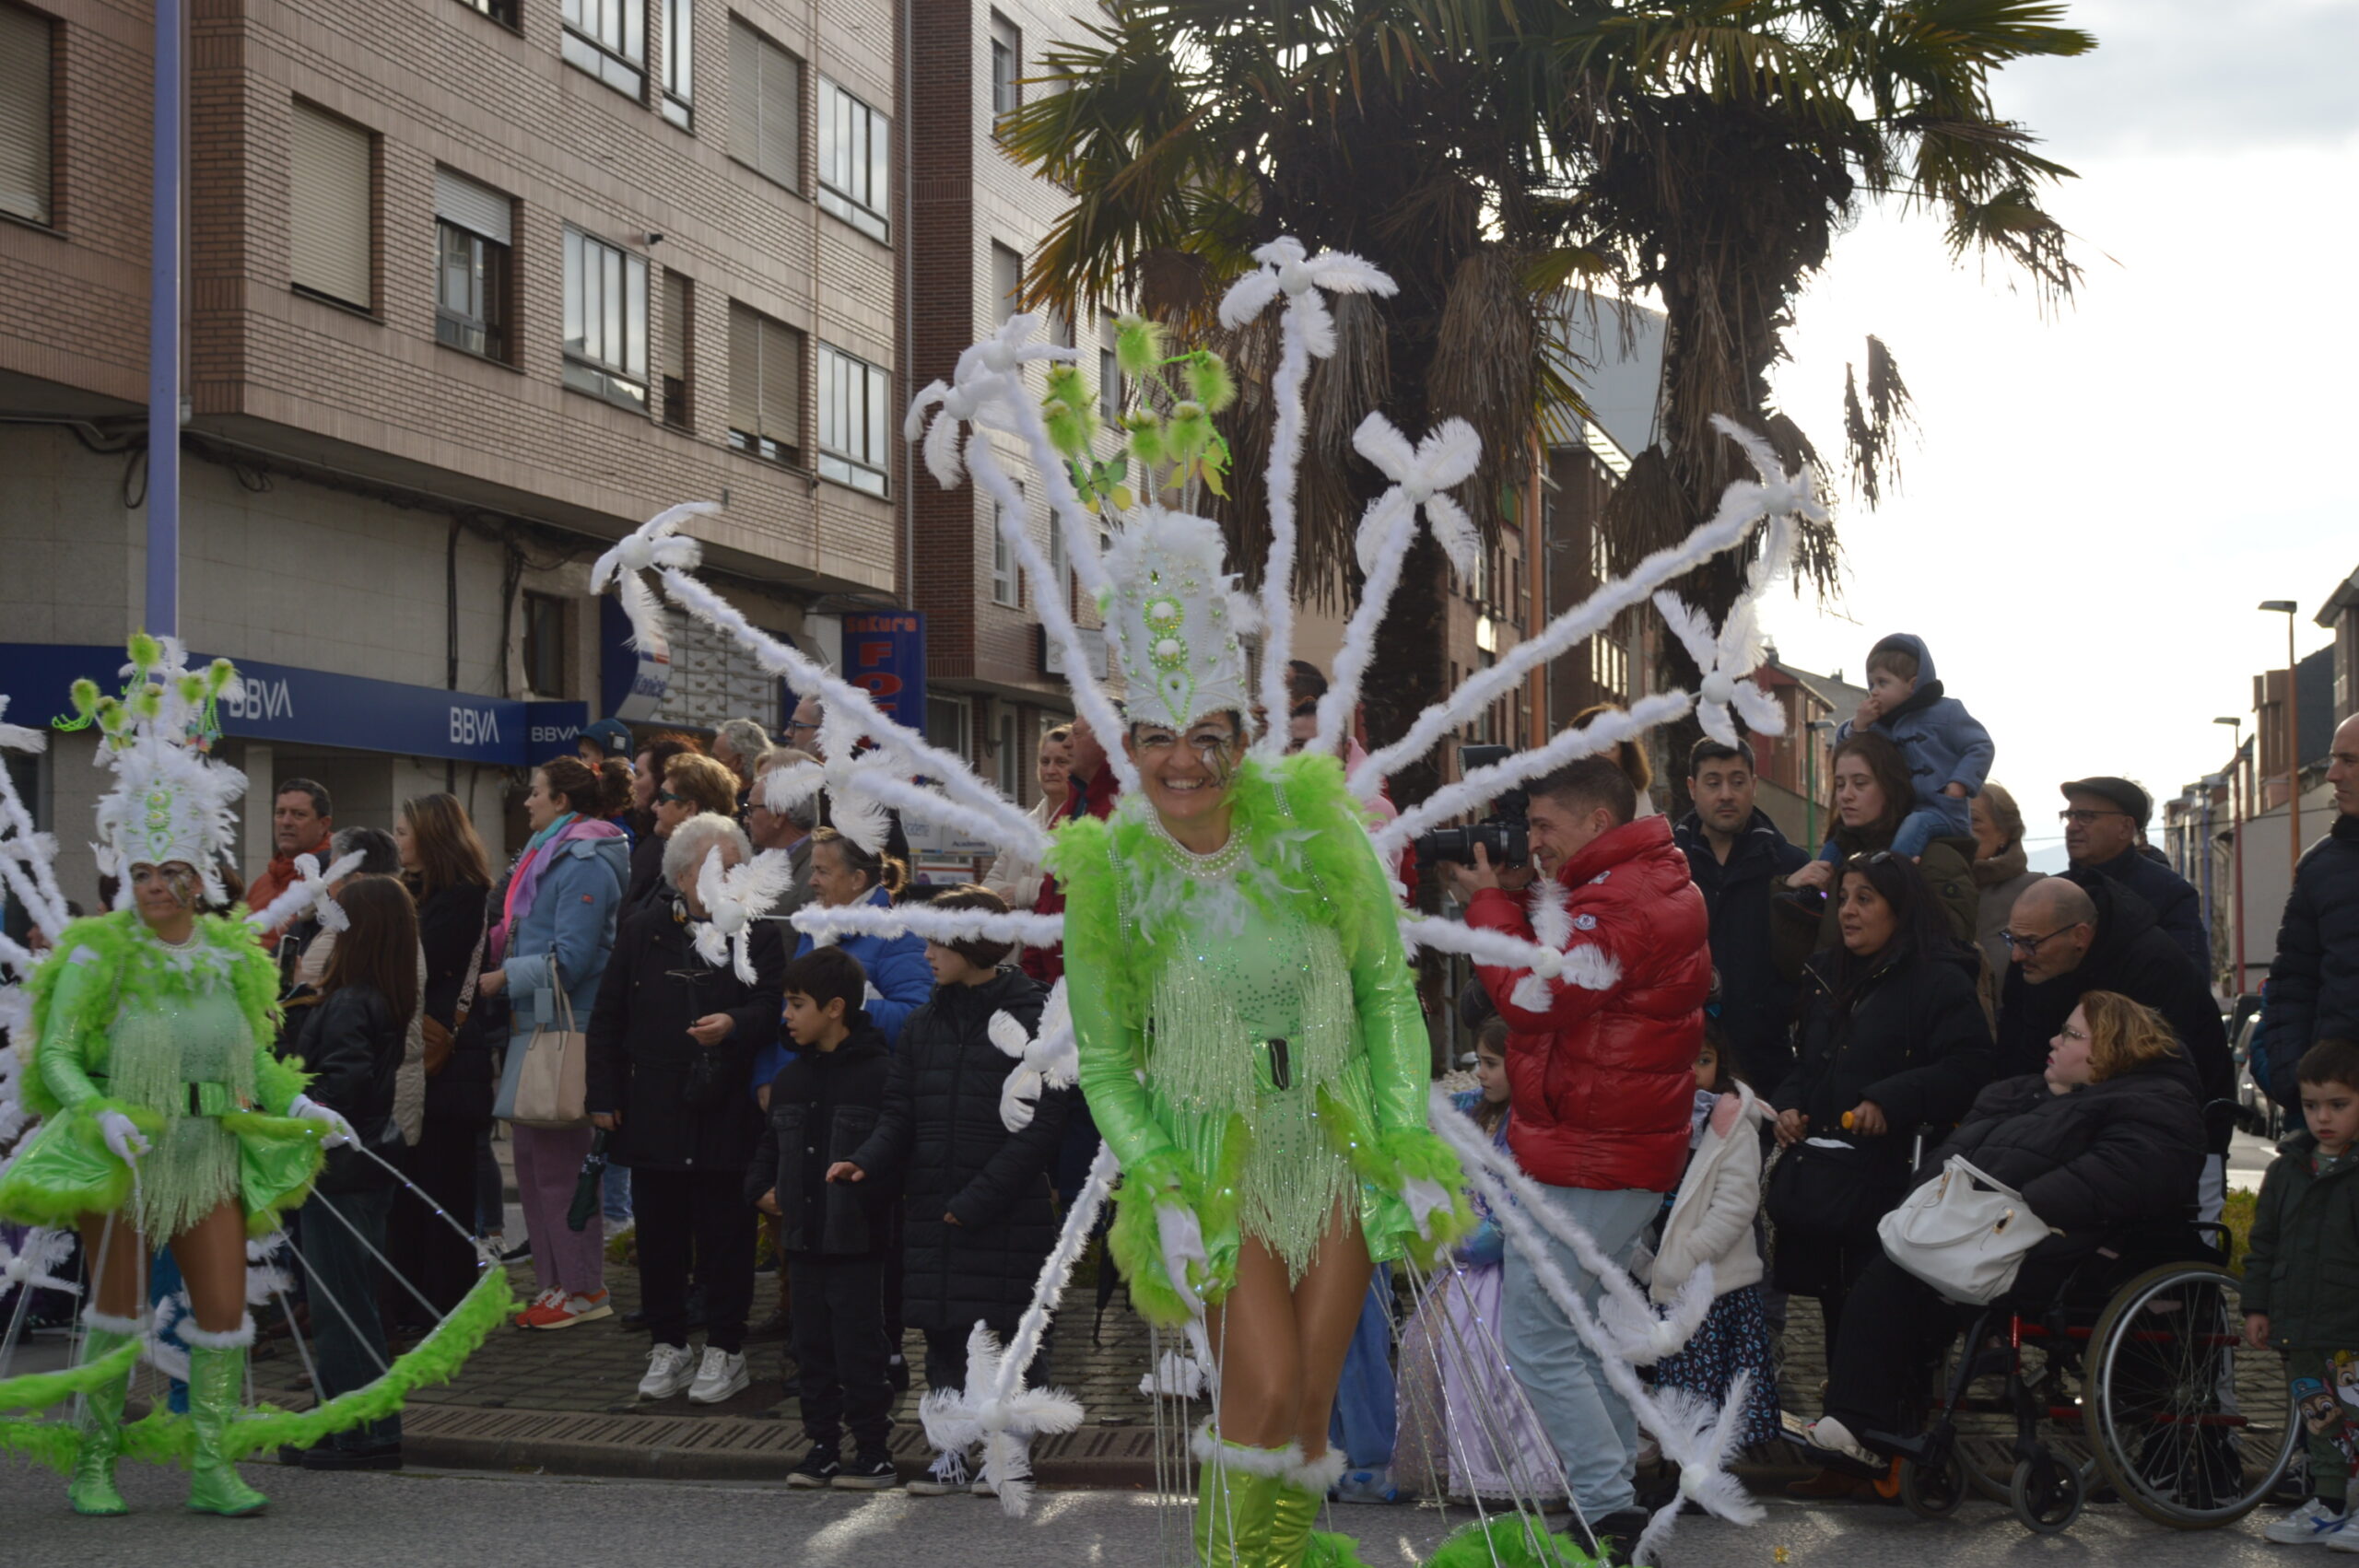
pixel 2001 869
pixel 2107 1136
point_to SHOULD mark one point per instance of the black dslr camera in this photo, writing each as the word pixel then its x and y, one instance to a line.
pixel 1501 834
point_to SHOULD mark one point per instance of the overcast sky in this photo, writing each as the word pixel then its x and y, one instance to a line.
pixel 2098 500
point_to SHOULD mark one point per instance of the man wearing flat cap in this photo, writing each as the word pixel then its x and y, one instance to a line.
pixel 2104 831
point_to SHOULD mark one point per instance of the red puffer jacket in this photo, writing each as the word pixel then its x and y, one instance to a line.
pixel 1602 1082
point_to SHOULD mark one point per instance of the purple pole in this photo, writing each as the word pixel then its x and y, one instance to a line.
pixel 163 607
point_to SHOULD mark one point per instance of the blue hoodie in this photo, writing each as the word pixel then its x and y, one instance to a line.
pixel 1942 742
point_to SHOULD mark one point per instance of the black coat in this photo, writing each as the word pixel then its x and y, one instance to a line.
pixel 684 1107
pixel 2178 908
pixel 823 1105
pixel 645 889
pixel 2314 979
pixel 351 1045
pixel 2133 957
pixel 1912 1038
pixel 942 1141
pixel 450 924
pixel 2126 1151
pixel 1756 999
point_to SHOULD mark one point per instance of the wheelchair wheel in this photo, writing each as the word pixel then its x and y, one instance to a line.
pixel 1933 1491
pixel 2190 1428
pixel 2046 1493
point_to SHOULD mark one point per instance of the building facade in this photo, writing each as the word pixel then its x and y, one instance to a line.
pixel 471 288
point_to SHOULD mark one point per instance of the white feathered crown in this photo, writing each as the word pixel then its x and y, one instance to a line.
pixel 1176 613
pixel 171 801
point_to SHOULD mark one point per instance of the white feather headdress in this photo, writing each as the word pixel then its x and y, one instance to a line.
pixel 171 801
pixel 1175 613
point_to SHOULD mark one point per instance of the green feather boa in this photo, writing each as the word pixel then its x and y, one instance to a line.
pixel 39 1390
pixel 163 1437
pixel 1510 1541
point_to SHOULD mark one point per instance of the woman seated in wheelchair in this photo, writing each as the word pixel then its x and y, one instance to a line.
pixel 2108 1138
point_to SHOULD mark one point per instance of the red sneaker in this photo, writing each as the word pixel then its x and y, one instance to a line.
pixel 564 1311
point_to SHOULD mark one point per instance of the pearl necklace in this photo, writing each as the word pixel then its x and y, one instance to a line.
pixel 1198 868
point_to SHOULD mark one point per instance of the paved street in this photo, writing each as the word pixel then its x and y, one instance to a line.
pixel 421 1519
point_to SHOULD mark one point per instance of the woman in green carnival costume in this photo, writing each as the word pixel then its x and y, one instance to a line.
pixel 1251 1047
pixel 165 1117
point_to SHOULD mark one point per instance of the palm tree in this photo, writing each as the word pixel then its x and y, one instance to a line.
pixel 1499 158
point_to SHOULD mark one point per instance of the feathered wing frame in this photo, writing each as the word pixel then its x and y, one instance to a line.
pixel 954 421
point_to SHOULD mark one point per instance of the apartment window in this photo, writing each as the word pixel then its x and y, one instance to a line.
pixel 544 645
pixel 855 432
pixel 329 201
pixel 473 236
pixel 1011 762
pixel 606 320
pixel 679 47
pixel 855 143
pixel 678 331
pixel 1110 377
pixel 26 46
pixel 1059 565
pixel 765 106
pixel 1004 588
pixel 608 39
pixel 1007 66
pixel 765 387
pixel 501 11
pixel 1008 281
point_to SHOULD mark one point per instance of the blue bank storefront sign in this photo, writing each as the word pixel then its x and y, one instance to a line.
pixel 885 654
pixel 283 704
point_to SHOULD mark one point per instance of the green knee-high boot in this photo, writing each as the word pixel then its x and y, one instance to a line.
pixel 1302 1491
pixel 1237 1493
pixel 216 1386
pixel 92 1490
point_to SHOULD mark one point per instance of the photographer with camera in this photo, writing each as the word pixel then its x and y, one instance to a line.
pixel 1601 1068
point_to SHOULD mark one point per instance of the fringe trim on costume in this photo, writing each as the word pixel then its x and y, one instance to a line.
pixel 93 1319
pixel 1214 1450
pixel 1318 1476
pixel 225 1339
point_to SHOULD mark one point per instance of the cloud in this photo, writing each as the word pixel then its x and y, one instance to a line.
pixel 2193 75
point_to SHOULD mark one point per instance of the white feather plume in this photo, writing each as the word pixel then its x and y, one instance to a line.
pixel 734 898
pixel 1048 1058
pixel 657 542
pixel 309 893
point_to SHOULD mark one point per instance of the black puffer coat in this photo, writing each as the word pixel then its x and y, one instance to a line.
pixel 2126 1151
pixel 1757 999
pixel 2314 979
pixel 2134 956
pixel 351 1046
pixel 823 1105
pixel 1912 1038
pixel 941 1138
pixel 684 1107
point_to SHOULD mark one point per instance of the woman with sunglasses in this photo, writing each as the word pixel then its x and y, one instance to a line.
pixel 1893 1039
pixel 691 783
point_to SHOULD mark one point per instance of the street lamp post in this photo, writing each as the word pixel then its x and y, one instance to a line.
pixel 2292 724
pixel 2237 821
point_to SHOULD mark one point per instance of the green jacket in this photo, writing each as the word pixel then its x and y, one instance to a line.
pixel 2304 1266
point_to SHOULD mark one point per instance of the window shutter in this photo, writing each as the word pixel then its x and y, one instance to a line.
pixel 328 207
pixel 478 209
pixel 745 92
pixel 781 384
pixel 23 113
pixel 781 117
pixel 744 369
pixel 674 335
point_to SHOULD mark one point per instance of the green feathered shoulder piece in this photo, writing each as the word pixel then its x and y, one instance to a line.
pixel 117 959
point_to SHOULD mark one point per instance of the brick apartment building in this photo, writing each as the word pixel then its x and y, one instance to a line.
pixel 473 287
pixel 993 683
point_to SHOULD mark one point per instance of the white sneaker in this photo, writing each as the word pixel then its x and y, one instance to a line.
pixel 670 1369
pixel 722 1375
pixel 949 1475
pixel 2316 1522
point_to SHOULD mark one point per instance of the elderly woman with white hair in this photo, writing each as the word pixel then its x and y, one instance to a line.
pixel 672 1042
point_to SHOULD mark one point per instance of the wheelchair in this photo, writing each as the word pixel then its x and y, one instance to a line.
pixel 2139 1356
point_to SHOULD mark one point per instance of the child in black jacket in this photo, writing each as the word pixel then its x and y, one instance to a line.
pixel 823 1105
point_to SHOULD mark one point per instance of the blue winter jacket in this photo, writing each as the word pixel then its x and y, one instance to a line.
pixel 1943 743
pixel 900 982
pixel 571 924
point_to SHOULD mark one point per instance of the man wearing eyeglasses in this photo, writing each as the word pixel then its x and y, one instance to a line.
pixel 2083 931
pixel 2104 830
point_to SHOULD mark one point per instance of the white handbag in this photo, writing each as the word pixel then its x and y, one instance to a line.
pixel 1963 1233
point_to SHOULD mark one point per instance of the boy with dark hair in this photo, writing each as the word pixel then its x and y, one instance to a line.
pixel 2305 1244
pixel 822 1106
pixel 1948 751
pixel 974 1162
